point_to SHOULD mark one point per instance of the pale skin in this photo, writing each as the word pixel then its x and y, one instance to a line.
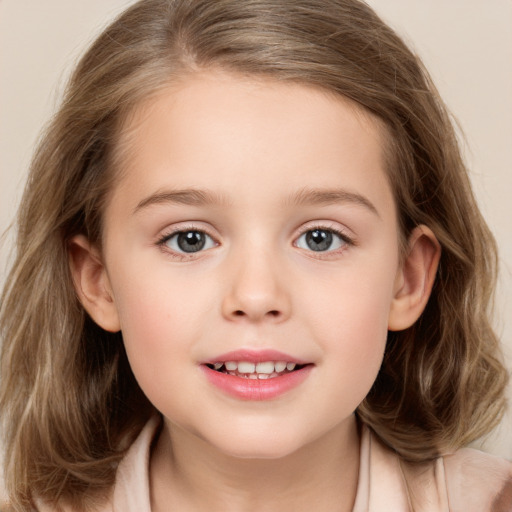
pixel 254 168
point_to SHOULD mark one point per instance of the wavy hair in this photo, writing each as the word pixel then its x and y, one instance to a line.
pixel 70 403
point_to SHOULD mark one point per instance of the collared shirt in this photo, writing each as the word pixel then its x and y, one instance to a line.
pixel 467 481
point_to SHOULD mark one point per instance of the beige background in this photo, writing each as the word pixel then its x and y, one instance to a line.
pixel 466 44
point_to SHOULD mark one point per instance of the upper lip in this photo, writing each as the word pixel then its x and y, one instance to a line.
pixel 255 356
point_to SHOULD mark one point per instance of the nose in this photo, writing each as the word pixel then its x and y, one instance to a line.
pixel 257 289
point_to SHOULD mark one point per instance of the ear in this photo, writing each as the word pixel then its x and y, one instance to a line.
pixel 92 284
pixel 414 279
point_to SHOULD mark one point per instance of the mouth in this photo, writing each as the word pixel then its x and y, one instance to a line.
pixel 256 371
pixel 256 375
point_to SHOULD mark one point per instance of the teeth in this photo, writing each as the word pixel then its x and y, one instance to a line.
pixel 261 370
pixel 280 366
pixel 267 367
pixel 246 367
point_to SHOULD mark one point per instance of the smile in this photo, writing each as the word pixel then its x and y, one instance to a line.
pixel 262 370
pixel 251 375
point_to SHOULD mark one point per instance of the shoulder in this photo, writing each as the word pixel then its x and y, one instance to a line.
pixel 131 489
pixel 465 481
pixel 478 481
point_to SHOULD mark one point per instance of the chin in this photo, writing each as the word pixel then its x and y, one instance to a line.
pixel 265 444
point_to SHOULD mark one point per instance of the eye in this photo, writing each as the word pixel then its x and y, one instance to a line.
pixel 189 241
pixel 321 240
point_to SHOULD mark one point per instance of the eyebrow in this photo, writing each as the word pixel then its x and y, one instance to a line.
pixel 325 197
pixel 189 197
pixel 304 197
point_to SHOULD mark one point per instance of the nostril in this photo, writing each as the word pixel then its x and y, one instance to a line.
pixel 273 313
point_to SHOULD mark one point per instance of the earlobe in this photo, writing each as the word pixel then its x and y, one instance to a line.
pixel 415 279
pixel 92 284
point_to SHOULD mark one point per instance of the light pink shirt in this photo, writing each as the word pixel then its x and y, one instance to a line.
pixel 468 481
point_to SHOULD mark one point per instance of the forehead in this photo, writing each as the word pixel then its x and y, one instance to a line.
pixel 213 129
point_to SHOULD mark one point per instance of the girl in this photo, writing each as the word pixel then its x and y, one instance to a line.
pixel 250 275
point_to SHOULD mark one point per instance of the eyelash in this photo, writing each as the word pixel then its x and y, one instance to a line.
pixel 164 239
pixel 182 256
pixel 342 234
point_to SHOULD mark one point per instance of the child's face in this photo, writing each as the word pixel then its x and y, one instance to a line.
pixel 253 216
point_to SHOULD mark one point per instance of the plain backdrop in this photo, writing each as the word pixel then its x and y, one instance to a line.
pixel 466 45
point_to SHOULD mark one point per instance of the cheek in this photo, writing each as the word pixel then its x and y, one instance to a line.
pixel 348 317
pixel 352 302
pixel 153 297
pixel 353 348
pixel 156 336
pixel 160 318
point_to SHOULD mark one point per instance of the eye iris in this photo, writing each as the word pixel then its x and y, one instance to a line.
pixel 319 240
pixel 191 241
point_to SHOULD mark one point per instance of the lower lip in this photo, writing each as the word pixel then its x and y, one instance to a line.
pixel 256 389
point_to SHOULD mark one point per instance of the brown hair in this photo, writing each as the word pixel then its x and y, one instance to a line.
pixel 70 403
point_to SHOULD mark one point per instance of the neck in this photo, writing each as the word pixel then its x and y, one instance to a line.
pixel 188 474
